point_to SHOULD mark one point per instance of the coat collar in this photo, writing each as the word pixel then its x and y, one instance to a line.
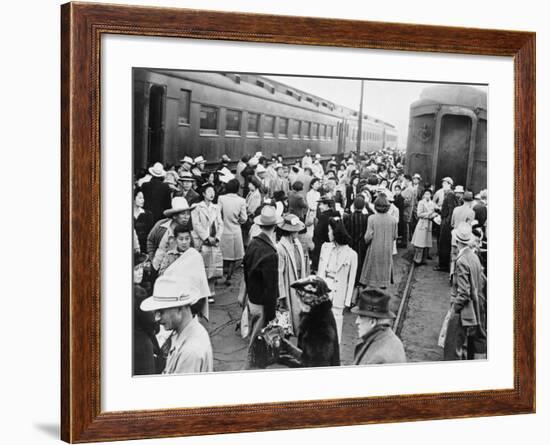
pixel 366 341
pixel 265 239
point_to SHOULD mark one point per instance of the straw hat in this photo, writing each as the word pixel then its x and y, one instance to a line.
pixel 169 293
pixel 459 189
pixel 448 180
pixel 268 217
pixel 199 160
pixel 157 170
pixel 291 223
pixel 464 233
pixel 187 160
pixel 179 204
pixel 260 169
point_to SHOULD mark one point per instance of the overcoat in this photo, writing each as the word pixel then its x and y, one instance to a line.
pixel 157 197
pixel 356 225
pixel 338 266
pixel 422 236
pixel 449 203
pixel 378 266
pixel 379 346
pixel 143 225
pixel 297 205
pixel 233 209
pixel 291 269
pixel 261 274
pixel 203 217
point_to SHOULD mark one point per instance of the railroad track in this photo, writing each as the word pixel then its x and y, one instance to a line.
pixel 398 322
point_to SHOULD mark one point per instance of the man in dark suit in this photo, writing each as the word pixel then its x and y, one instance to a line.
pixel 156 192
pixel 261 275
pixel 466 332
pixel 186 180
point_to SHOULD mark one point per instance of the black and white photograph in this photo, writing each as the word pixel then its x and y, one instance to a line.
pixel 296 222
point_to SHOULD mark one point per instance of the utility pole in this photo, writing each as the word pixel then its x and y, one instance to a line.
pixel 360 124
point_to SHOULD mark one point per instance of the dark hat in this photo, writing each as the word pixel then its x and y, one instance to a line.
pixel 373 302
pixel 139 258
pixel 312 285
pixel 468 196
pixel 327 199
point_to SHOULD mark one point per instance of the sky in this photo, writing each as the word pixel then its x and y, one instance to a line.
pixel 386 100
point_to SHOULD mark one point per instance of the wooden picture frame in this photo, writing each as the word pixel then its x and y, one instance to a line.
pixel 82 27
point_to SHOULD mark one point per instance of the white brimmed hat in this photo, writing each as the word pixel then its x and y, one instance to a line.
pixel 459 189
pixel 448 180
pixel 258 154
pixel 253 162
pixel 169 293
pixel 260 169
pixel 200 160
pixel 186 176
pixel 464 233
pixel 187 160
pixel 179 204
pixel 291 223
pixel 268 217
pixel 157 170
pixel 317 156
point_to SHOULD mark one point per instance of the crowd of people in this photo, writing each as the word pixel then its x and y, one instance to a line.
pixel 314 236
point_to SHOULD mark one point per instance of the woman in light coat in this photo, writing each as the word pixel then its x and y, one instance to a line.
pixel 292 267
pixel 207 230
pixel 422 237
pixel 233 208
pixel 338 267
pixel 380 235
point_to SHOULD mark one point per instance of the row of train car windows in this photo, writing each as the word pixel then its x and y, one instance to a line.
pixel 366 135
pixel 257 124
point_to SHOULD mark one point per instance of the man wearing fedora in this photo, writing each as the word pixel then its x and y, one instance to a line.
pixel 186 180
pixel 199 165
pixel 378 343
pixel 189 348
pixel 156 192
pixel 158 240
pixel 261 274
pixel 466 332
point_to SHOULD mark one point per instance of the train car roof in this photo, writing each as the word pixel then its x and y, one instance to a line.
pixel 266 88
pixel 462 95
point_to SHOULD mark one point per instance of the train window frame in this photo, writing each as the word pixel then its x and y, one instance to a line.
pixel 182 120
pixel 233 133
pixel 314 130
pixel 264 119
pixel 209 131
pixel 282 135
pixel 253 134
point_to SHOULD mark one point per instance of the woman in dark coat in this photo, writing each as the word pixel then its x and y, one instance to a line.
pixel 147 358
pixel 356 225
pixel 318 336
pixel 143 220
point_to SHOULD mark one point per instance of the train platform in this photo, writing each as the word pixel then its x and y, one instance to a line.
pixel 423 315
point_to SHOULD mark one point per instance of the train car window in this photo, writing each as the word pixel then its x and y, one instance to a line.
pixel 209 120
pixel 322 131
pixel 233 122
pixel 268 125
pixel 306 129
pixel 183 107
pixel 253 124
pixel 330 129
pixel 283 127
pixel 314 130
pixel 295 129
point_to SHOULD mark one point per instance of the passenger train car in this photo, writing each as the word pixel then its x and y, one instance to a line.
pixel 178 113
pixel 448 136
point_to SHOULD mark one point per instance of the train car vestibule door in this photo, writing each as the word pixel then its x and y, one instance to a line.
pixel 156 124
pixel 454 148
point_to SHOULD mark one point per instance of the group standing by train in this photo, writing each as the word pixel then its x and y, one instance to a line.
pixel 315 236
